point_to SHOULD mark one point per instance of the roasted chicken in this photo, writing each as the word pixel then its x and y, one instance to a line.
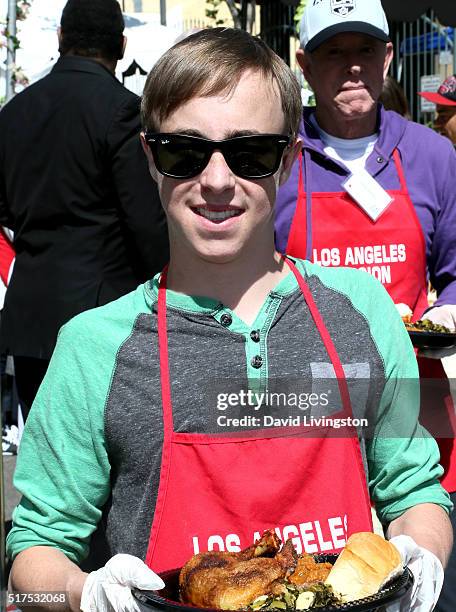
pixel 231 581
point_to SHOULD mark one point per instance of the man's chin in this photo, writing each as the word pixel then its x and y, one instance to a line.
pixel 356 111
pixel 351 107
pixel 219 258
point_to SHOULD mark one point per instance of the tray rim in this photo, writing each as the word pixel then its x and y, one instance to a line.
pixel 419 338
pixel 359 605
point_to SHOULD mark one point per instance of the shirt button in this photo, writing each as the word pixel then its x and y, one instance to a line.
pixel 226 320
pixel 380 160
pixel 256 362
pixel 255 335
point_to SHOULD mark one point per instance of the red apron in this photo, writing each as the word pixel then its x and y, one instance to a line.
pixel 333 230
pixel 6 257
pixel 220 492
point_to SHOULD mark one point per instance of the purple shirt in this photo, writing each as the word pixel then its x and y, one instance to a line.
pixel 429 163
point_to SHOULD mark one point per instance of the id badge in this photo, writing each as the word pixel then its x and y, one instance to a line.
pixel 367 193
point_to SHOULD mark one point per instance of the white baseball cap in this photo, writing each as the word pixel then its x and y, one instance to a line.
pixel 322 19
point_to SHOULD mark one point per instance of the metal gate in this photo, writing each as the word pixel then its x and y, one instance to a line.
pixel 277 28
pixel 423 58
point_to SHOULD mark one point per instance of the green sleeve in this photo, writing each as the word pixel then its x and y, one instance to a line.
pixel 62 469
pixel 402 457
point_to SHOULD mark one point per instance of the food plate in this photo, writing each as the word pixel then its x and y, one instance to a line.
pixel 168 598
pixel 429 339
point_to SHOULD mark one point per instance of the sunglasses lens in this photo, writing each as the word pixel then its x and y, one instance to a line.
pixel 250 157
pixel 179 156
pixel 254 156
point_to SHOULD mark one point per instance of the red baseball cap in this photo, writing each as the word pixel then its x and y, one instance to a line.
pixel 445 95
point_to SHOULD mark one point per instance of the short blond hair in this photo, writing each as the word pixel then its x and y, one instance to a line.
pixel 211 62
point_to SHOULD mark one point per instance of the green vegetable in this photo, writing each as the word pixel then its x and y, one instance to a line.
pixel 427 325
pixel 259 602
pixel 293 597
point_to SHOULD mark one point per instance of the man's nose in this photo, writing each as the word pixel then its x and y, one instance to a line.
pixel 217 176
pixel 354 67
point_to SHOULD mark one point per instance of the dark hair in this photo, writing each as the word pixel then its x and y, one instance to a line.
pixel 393 97
pixel 92 28
pixel 211 62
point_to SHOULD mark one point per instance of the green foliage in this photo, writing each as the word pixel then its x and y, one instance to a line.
pixel 212 9
pixel 22 9
pixel 298 13
pixel 14 39
pixel 13 42
pixel 305 86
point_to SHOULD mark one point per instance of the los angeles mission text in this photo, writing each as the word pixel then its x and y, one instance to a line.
pixel 378 260
pixel 312 537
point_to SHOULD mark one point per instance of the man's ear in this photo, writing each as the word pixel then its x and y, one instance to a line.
pixel 149 156
pixel 389 54
pixel 305 64
pixel 124 44
pixel 288 160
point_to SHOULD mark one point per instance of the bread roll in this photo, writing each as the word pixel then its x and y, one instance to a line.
pixel 364 566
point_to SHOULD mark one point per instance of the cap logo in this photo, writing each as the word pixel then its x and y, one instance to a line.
pixel 342 8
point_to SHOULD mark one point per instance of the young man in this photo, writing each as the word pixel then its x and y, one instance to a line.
pixel 126 424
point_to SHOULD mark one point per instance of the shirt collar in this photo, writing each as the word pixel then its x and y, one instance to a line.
pixel 391 128
pixel 81 64
pixel 206 305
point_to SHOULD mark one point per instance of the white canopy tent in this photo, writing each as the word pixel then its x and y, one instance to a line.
pixel 146 41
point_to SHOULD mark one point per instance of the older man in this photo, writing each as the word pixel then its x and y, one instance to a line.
pixel 366 177
pixel 372 190
pixel 128 422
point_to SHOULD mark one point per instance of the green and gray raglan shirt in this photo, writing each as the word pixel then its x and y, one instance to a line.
pixel 92 444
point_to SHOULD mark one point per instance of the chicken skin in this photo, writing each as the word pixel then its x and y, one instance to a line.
pixel 231 581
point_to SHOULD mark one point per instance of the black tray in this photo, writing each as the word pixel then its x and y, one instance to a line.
pixel 167 599
pixel 429 339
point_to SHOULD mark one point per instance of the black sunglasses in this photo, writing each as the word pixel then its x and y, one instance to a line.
pixel 250 157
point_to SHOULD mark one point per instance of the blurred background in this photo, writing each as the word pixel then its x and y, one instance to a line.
pixel 422 31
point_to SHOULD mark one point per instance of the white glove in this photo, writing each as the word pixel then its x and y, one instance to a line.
pixel 403 309
pixel 108 589
pixel 427 577
pixel 443 315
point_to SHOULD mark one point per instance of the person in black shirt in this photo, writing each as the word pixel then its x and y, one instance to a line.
pixel 76 191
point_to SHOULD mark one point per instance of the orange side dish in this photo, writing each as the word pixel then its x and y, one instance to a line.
pixel 308 571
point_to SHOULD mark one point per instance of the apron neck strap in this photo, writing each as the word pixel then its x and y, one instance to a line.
pixel 326 338
pixel 164 355
pixel 305 195
pixel 400 169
